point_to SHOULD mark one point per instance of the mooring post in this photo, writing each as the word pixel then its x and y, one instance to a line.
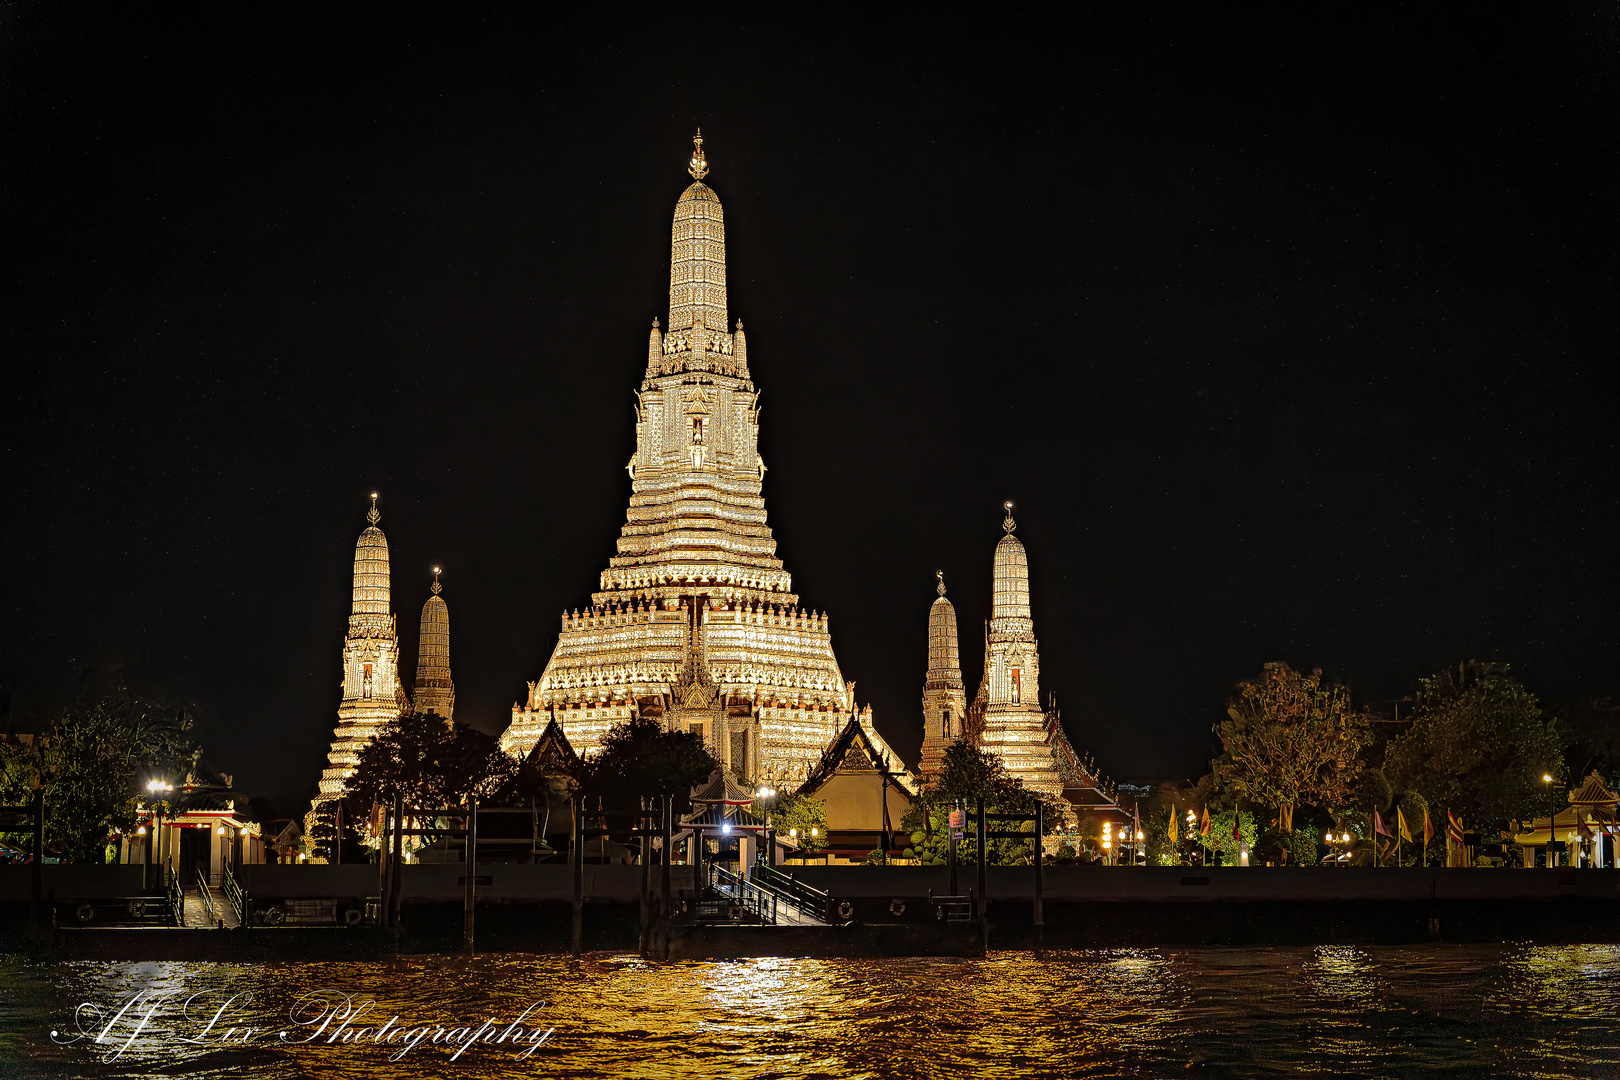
pixel 396 888
pixel 36 890
pixel 668 806
pixel 645 827
pixel 1040 832
pixel 578 804
pixel 979 832
pixel 472 874
pixel 384 868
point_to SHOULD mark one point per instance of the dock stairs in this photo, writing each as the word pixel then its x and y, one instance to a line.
pixel 767 897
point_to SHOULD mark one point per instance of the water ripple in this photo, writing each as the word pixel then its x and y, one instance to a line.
pixel 1344 1011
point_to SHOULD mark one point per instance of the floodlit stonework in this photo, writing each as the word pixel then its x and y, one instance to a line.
pixel 695 622
pixel 944 700
pixel 1014 727
pixel 434 691
pixel 372 695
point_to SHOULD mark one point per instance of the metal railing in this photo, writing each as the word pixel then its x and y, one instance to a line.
pixel 761 903
pixel 811 901
pixel 207 897
pixel 177 900
pixel 234 896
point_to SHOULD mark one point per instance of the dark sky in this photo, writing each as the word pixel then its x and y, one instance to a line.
pixel 1290 340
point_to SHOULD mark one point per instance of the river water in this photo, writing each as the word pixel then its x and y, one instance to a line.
pixel 1341 1011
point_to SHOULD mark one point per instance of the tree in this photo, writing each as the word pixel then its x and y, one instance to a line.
pixel 94 764
pixel 792 811
pixel 1290 739
pixel 638 757
pixel 1479 745
pixel 967 775
pixel 424 760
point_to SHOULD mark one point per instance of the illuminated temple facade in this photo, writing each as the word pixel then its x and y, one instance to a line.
pixel 1007 719
pixel 695 622
pixel 372 695
pixel 372 692
pixel 944 701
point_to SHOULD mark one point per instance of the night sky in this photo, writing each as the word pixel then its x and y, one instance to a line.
pixel 1290 340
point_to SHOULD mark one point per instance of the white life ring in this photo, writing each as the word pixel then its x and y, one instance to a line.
pixel 84 913
pixel 272 916
pixel 845 909
pixel 352 917
pixel 137 908
pixel 897 907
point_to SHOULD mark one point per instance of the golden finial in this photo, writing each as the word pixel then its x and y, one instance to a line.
pixel 1007 522
pixel 436 585
pixel 373 515
pixel 940 588
pixel 698 167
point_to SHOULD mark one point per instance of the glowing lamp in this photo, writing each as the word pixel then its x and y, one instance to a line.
pixel 220 831
pixel 793 833
pixel 814 831
pixel 141 831
pixel 726 828
pixel 1546 779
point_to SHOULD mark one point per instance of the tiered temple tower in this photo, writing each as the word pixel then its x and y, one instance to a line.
pixel 696 622
pixel 944 700
pixel 1014 726
pixel 372 695
pixel 434 691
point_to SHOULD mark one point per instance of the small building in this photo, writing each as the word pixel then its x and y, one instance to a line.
pixel 198 828
pixel 1581 835
pixel 865 788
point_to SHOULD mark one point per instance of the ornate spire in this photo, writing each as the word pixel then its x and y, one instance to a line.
pixel 940 588
pixel 371 595
pixel 1009 605
pixel 434 691
pixel 698 166
pixel 697 266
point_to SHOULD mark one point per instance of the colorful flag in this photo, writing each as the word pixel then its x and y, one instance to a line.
pixel 1237 831
pixel 1400 825
pixel 1203 829
pixel 1428 827
pixel 1378 824
pixel 1175 828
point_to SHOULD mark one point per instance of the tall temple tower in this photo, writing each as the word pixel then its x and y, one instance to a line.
pixel 434 691
pixel 944 700
pixel 372 695
pixel 1014 727
pixel 696 623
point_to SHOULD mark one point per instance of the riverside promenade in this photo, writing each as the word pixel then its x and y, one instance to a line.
pixel 302 911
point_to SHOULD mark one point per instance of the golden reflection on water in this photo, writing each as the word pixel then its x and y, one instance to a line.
pixel 1339 1010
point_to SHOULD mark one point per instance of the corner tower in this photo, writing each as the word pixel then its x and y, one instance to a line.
pixel 944 700
pixel 695 622
pixel 1015 727
pixel 372 695
pixel 434 691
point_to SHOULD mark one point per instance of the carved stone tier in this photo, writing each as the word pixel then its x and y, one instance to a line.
pixel 695 620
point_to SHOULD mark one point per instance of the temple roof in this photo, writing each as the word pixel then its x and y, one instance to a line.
pixel 1593 793
pixel 552 753
pixel 859 746
pixel 722 787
